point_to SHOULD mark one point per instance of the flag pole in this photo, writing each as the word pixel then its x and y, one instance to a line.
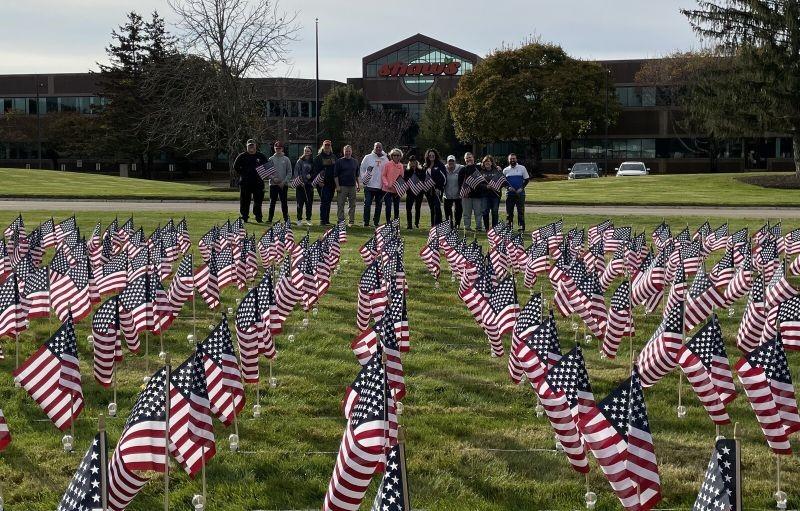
pixel 16 348
pixel 101 428
pixel 401 445
pixel 166 430
pixel 146 353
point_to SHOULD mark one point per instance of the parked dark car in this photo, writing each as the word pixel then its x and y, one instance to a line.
pixel 583 171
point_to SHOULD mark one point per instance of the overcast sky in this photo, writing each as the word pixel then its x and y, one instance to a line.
pixel 39 36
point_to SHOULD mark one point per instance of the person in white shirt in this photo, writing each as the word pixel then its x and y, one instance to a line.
pixel 517 178
pixel 451 192
pixel 371 167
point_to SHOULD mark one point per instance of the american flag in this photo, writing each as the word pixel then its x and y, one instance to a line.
pixel 595 257
pixel 717 239
pixel 431 257
pixel 206 281
pixel 35 248
pixel 590 304
pixel 113 275
pixel 498 256
pixel 181 288
pixel 767 381
pixel 683 237
pixel 88 489
pixel 311 284
pixel 415 185
pixel 637 251
pixel 537 263
pixel 497 182
pixel 223 379
pixel 52 376
pixel 65 227
pixel 383 333
pixel 661 235
pixel 620 320
pixel 184 241
pixel 372 296
pixel 266 170
pixel 48 231
pixel 5 434
pixel 596 232
pixel 12 312
pixel 393 492
pixel 692 255
pixel 319 179
pixel 428 182
pixel 722 485
pixel 778 290
pixel 619 238
pixel 741 282
pixel 789 323
pixel 501 313
pixel 296 182
pixel 677 292
pixel 766 259
pixel 250 335
pixel 565 394
pixel 703 231
pixel 208 242
pixel 540 351
pixel 16 226
pixel 476 295
pixel 471 182
pixel 107 344
pixel 142 446
pixel 226 274
pixel 702 298
pixel 529 318
pixel 723 272
pixel 614 268
pixel 191 429
pixel 749 335
pixel 368 250
pixel 739 237
pixel 370 431
pixel 660 355
pixel 705 362
pixel 791 242
pixel 142 306
pixel 649 281
pixel 288 292
pixel 400 187
pixel 617 431
pixel 69 291
pixel 367 176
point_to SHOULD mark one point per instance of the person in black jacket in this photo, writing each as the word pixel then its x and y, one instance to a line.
pixel 250 184
pixel 324 162
pixel 473 202
pixel 436 169
pixel 413 199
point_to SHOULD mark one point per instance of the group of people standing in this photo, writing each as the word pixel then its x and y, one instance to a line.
pixel 378 174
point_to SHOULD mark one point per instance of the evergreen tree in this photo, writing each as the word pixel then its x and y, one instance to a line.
pixel 342 102
pixel 765 35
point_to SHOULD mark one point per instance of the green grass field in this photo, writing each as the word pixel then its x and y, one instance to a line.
pixel 474 441
pixel 676 190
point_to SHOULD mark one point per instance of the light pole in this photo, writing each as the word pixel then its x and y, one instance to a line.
pixel 605 139
pixel 38 123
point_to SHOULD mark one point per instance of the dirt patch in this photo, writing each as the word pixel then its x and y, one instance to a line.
pixel 784 182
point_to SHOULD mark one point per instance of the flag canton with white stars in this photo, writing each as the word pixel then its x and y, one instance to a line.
pixel 769 251
pixel 118 263
pixel 151 404
pixel 218 343
pixel 135 293
pixel 570 375
pixel 684 236
pixel 190 377
pixel 504 295
pixel 625 408
pixel 720 484
pixel 84 491
pixel 266 294
pixel 60 263
pixel 185 268
pixel 369 279
pixel 707 342
pixel 531 314
pixel 621 299
pixel 757 291
pixel 700 283
pixel 789 310
pixel 740 236
pixel 64 341
pixel 106 315
pixel 544 339
pixel 36 281
pixel 771 357
pixel 390 496
pixel 247 312
pixel 370 384
pixel 590 285
pixel 691 250
pixel 224 258
pixel 9 294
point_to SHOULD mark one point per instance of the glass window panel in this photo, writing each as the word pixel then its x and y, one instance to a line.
pixel 648 96
pixel 305 109
pixel 32 107
pixel 294 109
pixel 20 105
pixel 372 70
pixel 52 105
pixel 634 148
pixel 85 105
pixel 69 104
pixel 619 149
pixel 648 148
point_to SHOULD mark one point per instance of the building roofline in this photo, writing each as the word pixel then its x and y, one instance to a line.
pixel 468 55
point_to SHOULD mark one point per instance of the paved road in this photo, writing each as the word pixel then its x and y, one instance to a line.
pixel 231 206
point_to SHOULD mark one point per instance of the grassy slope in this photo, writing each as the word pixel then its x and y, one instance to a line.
pixel 690 189
pixel 55 184
pixel 460 404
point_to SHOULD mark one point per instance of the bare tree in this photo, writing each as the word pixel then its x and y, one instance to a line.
pixel 240 39
pixel 365 128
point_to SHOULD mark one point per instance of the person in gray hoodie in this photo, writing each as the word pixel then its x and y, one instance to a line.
pixel 370 173
pixel 279 183
pixel 451 192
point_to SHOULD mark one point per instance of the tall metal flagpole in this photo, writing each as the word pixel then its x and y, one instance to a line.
pixel 316 84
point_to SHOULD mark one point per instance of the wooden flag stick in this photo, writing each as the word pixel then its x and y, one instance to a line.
pixel 194 315
pixel 72 417
pixel 101 428
pixel 146 353
pixel 203 469
pixel 16 349
pixel 166 430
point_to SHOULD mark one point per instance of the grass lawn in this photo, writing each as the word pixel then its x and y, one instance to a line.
pixel 677 190
pixel 661 190
pixel 474 441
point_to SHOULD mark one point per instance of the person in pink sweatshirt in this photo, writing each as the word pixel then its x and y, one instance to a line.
pixel 391 171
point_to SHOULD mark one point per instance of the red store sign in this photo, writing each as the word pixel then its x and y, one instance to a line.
pixel 401 69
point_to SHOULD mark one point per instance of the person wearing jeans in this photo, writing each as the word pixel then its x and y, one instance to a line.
pixel 345 175
pixel 392 171
pixel 370 172
pixel 491 199
pixel 279 182
pixel 451 190
pixel 517 178
pixel 304 194
pixel 473 203
pixel 323 164
pixel 413 200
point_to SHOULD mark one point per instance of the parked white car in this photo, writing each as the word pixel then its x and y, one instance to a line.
pixel 632 168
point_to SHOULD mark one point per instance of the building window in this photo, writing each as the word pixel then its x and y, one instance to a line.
pixel 633 97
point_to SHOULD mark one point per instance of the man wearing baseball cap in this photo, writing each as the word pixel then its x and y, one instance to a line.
pixel 250 184
pixel 279 182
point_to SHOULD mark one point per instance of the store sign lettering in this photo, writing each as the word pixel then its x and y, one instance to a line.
pixel 401 69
